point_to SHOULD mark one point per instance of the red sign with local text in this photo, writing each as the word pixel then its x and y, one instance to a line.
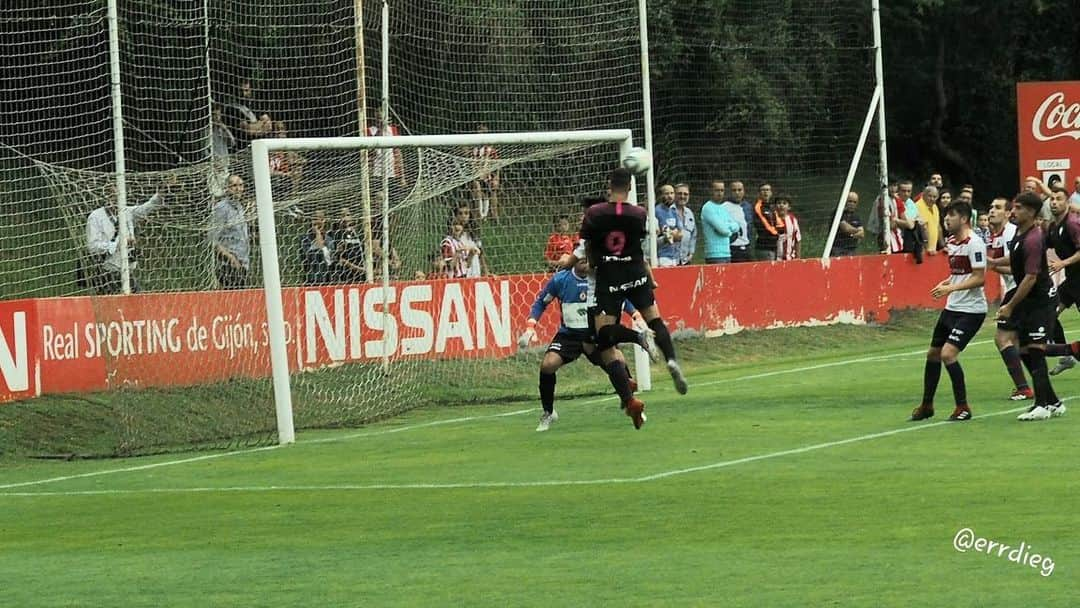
pixel 1048 131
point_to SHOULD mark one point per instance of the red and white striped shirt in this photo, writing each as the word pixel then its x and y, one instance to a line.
pixel 455 258
pixel 964 257
pixel 787 243
pixel 385 161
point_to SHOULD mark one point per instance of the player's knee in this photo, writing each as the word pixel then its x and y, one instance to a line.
pixel 933 354
pixel 550 364
pixel 1002 340
pixel 606 337
pixel 594 358
pixel 948 355
pixel 650 312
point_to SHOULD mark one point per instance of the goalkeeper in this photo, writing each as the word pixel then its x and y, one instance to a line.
pixel 575 336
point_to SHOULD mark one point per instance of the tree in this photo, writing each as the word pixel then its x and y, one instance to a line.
pixel 951 69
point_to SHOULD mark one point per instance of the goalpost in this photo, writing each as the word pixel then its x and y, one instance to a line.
pixel 436 167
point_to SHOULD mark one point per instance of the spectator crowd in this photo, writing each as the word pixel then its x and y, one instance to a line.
pixel 729 227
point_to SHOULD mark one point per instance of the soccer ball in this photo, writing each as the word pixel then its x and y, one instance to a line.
pixel 637 161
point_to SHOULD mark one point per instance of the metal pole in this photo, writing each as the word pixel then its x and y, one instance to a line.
pixel 434 141
pixel 641 358
pixel 209 92
pixel 122 212
pixel 365 154
pixel 275 310
pixel 388 168
pixel 646 101
pixel 879 76
pixel 852 168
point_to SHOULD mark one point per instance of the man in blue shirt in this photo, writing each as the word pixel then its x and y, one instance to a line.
pixel 669 229
pixel 719 226
pixel 575 336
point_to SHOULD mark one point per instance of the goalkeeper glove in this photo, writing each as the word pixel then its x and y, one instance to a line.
pixel 528 336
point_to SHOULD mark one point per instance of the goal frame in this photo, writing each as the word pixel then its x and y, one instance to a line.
pixel 268 242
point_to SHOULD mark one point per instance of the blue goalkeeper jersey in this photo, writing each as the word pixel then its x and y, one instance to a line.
pixel 572 292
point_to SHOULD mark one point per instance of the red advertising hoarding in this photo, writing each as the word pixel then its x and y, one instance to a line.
pixel 1048 131
pixel 64 345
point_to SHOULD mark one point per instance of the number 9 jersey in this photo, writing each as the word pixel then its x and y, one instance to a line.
pixel 613 233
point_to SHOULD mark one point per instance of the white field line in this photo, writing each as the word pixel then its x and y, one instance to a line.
pixel 514 484
pixel 362 434
pixel 921 351
pixel 167 463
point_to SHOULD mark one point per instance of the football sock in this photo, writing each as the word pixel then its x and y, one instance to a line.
pixel 620 379
pixel 663 338
pixel 1040 377
pixel 547 391
pixel 596 360
pixel 931 376
pixel 959 389
pixel 1059 333
pixel 1011 356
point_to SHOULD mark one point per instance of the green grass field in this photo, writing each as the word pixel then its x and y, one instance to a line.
pixel 787 477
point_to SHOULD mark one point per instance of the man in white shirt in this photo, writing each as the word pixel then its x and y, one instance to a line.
pixel 688 225
pixel 103 241
pixel 965 311
pixel 740 241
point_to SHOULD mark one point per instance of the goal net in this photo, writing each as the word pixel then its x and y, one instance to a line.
pixel 380 313
pixel 758 91
pixel 428 308
pixel 201 79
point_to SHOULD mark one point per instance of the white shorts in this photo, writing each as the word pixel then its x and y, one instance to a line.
pixel 667 262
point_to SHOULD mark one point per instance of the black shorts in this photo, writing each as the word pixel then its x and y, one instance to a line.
pixel 1010 323
pixel 611 289
pixel 1069 293
pixel 569 347
pixel 956 328
pixel 1034 322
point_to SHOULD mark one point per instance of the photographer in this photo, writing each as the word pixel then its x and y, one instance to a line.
pixel 102 274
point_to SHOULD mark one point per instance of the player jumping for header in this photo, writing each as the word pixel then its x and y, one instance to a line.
pixel 612 234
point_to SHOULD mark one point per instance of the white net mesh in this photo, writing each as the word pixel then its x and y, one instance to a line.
pixel 766 92
pixel 757 91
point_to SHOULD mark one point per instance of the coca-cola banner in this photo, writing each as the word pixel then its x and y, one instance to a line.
pixel 1048 124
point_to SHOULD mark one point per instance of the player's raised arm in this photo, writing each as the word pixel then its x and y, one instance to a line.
pixel 545 297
